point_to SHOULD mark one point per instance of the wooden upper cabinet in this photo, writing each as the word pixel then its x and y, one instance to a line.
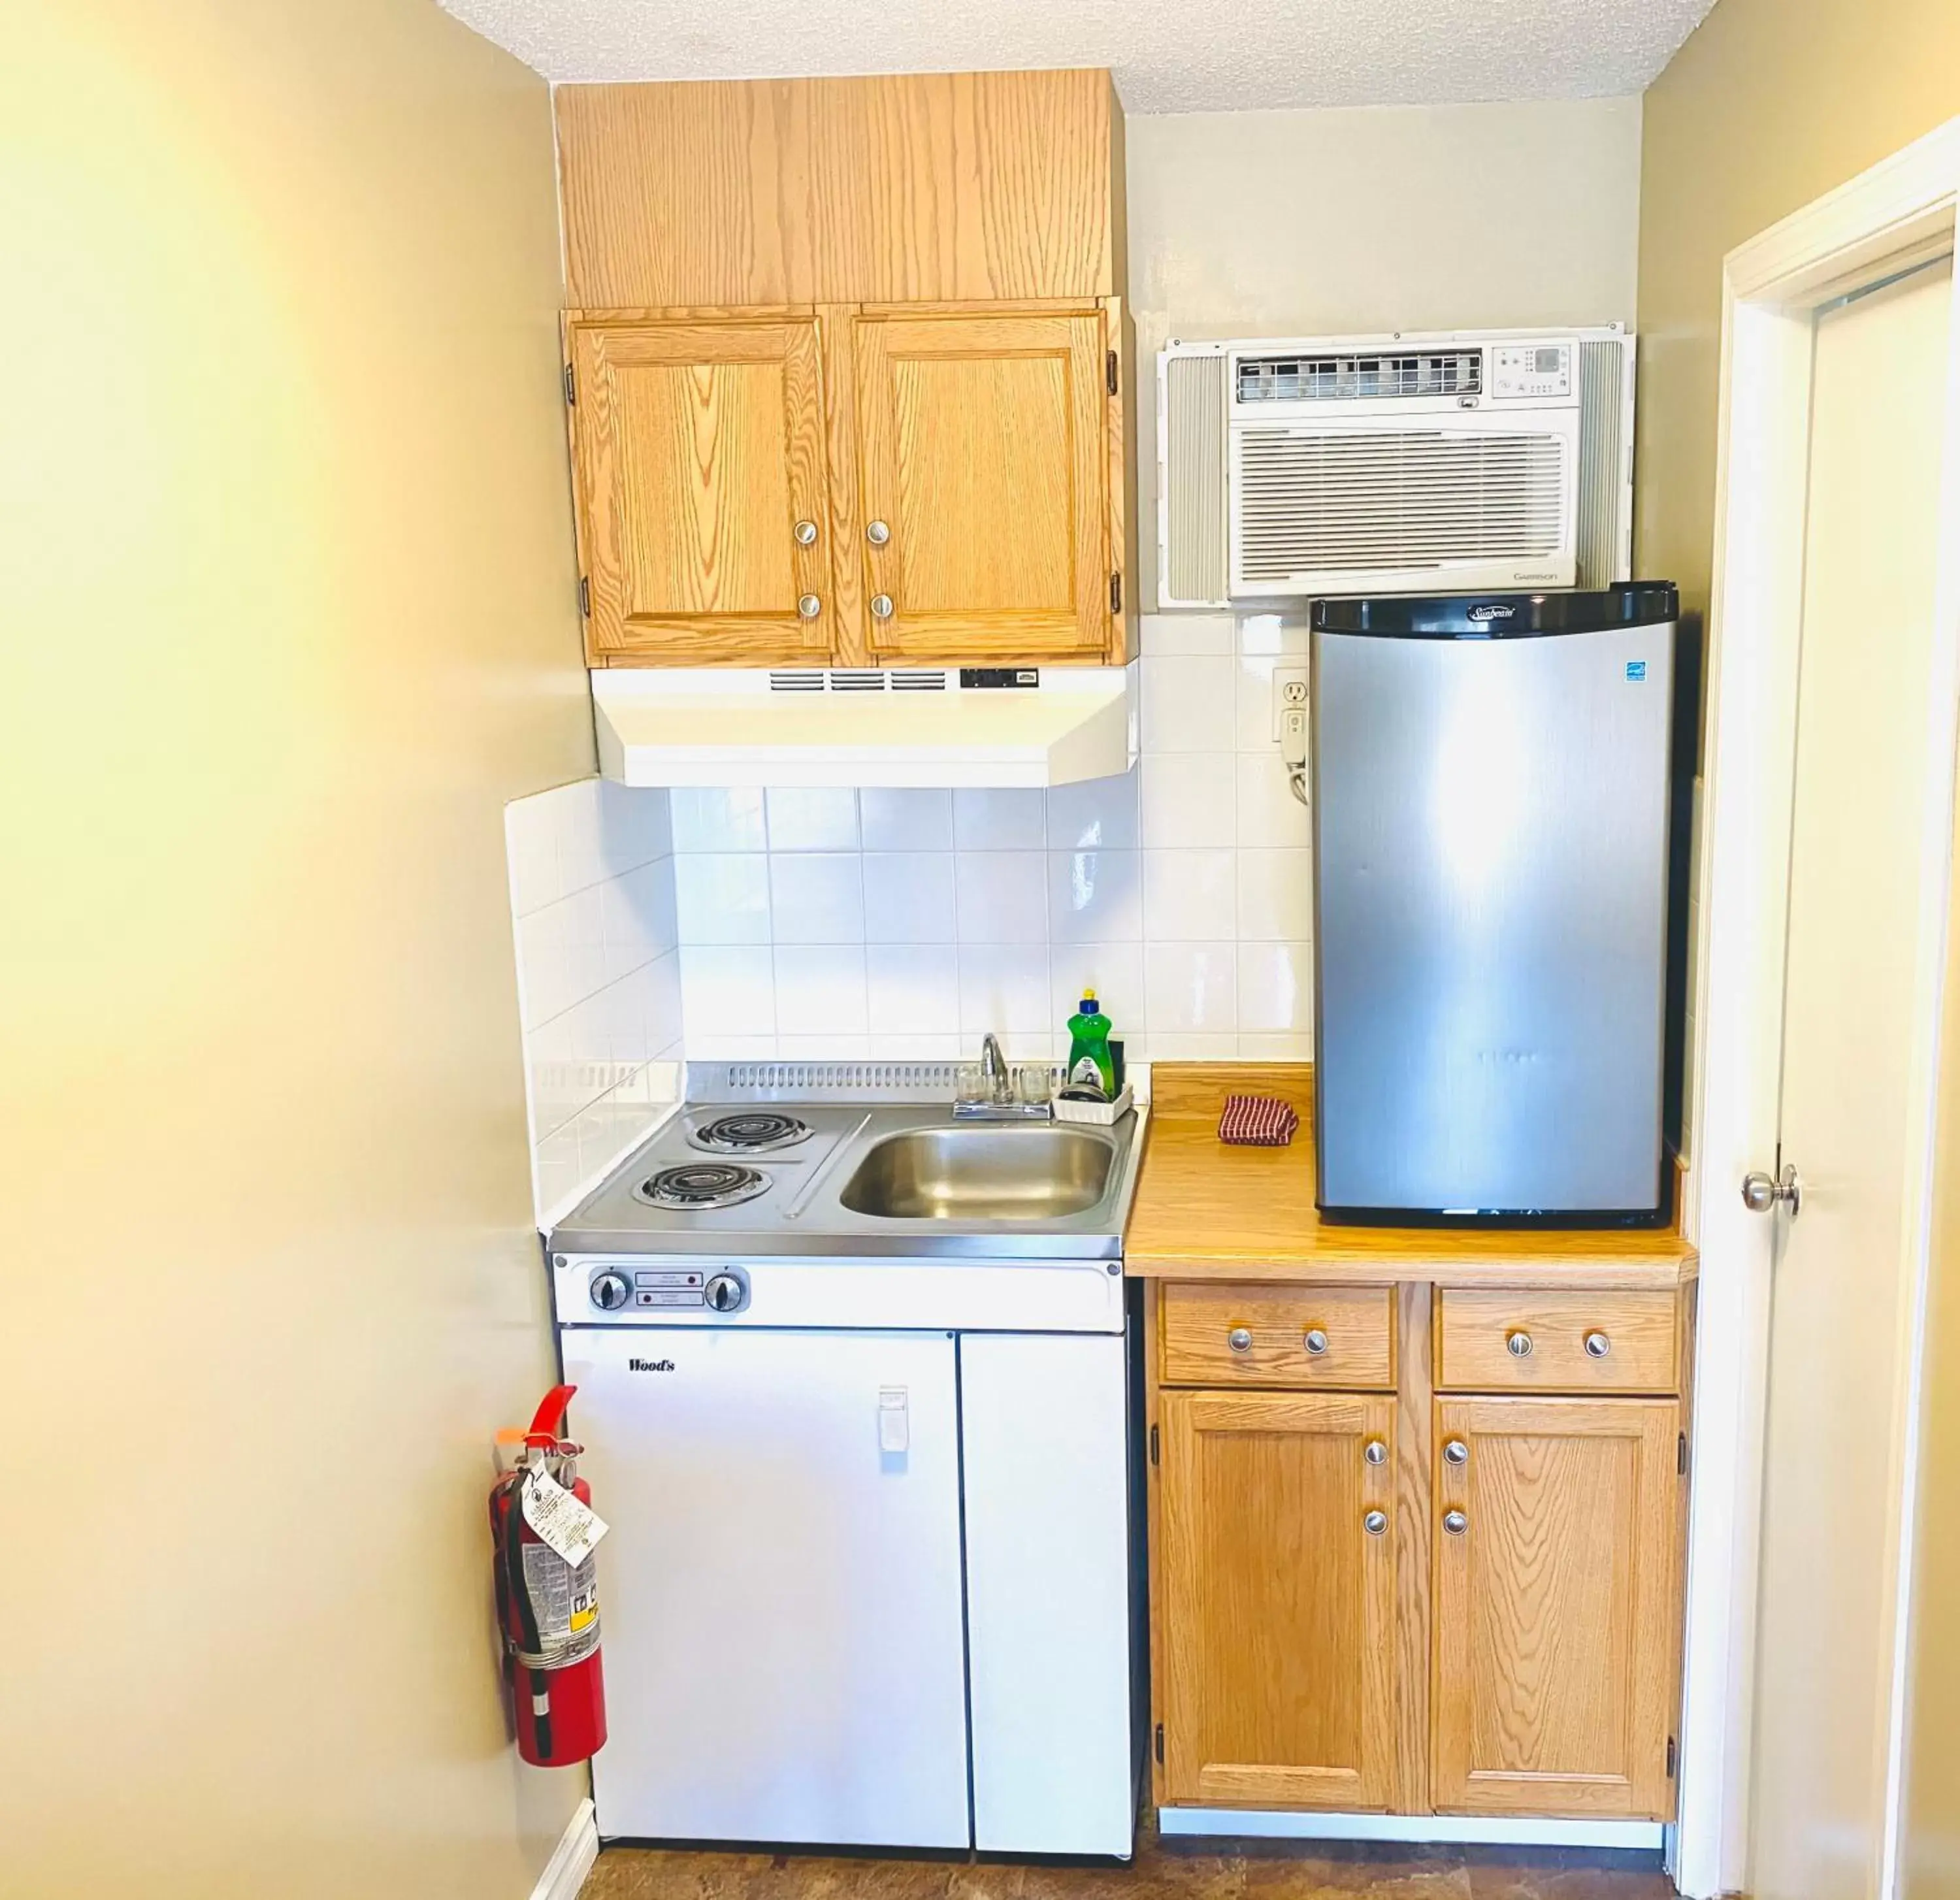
pixel 983 479
pixel 698 448
pixel 1277 1685
pixel 923 187
pixel 1556 1606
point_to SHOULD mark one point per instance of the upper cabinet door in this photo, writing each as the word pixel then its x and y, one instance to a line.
pixel 1277 1619
pixel 983 475
pixel 1556 1606
pixel 702 518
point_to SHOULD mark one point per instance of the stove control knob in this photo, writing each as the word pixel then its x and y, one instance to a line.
pixel 725 1293
pixel 610 1291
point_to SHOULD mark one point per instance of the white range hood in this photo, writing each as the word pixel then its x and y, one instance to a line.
pixel 883 726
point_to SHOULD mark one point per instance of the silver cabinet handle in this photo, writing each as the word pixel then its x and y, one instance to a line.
pixel 806 534
pixel 809 607
pixel 1375 1522
pixel 1598 1345
pixel 1240 1339
pixel 1455 1522
pixel 877 533
pixel 881 606
pixel 1454 1451
pixel 1518 1343
pixel 1375 1451
pixel 1316 1341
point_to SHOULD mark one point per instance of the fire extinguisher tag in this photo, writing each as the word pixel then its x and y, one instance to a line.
pixel 569 1527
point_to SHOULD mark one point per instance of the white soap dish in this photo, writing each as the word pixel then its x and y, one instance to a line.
pixel 1100 1115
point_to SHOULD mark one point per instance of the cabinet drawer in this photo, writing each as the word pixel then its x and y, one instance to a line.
pixel 1250 1334
pixel 1491 1339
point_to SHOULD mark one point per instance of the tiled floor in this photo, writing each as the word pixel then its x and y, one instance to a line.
pixel 1248 1870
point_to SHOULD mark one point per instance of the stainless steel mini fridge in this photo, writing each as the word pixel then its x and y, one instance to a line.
pixel 1492 820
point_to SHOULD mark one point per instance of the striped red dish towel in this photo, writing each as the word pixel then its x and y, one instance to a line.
pixel 1257 1120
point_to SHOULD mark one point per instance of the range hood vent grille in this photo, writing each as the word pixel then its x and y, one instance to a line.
pixel 858 679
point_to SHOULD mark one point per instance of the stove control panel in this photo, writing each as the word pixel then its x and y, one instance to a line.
pixel 615 1289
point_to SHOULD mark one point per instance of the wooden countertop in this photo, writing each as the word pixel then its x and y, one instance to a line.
pixel 1206 1211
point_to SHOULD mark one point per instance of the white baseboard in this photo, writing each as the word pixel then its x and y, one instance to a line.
pixel 1471 1829
pixel 571 1859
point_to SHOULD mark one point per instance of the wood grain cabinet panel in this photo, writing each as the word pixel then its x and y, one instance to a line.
pixel 1555 1606
pixel 1633 1336
pixel 698 447
pixel 1276 1686
pixel 1257 1334
pixel 981 451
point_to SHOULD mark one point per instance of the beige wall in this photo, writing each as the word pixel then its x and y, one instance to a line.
pixel 285 577
pixel 1275 224
pixel 1770 104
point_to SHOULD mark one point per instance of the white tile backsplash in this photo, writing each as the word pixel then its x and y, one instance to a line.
pixel 904 923
pixel 597 924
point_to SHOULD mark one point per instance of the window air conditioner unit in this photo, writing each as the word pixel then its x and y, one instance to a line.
pixel 1438 463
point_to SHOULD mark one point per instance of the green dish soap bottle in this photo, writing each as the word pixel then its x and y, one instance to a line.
pixel 1089 1061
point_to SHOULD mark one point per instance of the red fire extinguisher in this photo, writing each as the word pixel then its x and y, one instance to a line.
pixel 548 1605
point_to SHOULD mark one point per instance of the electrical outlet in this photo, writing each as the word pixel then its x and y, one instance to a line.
pixel 1289 695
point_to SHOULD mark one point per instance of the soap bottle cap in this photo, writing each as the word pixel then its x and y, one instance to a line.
pixel 1089 1003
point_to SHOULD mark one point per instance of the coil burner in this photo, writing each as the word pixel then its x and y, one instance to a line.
pixel 700 1187
pixel 753 1132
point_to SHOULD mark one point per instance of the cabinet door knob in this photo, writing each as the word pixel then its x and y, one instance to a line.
pixel 1315 1341
pixel 1455 1522
pixel 1454 1451
pixel 1518 1343
pixel 806 534
pixel 809 607
pixel 1375 1451
pixel 1240 1339
pixel 1598 1345
pixel 881 606
pixel 1375 1522
pixel 877 533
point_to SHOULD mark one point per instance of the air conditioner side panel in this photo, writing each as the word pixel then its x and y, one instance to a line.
pixel 1192 387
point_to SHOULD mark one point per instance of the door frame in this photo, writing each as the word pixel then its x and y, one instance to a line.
pixel 1902 209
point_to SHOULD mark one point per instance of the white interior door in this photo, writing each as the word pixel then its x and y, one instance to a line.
pixel 1853 1101
pixel 780 1593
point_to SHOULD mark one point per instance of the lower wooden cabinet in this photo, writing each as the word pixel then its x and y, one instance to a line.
pixel 1556 1606
pixel 1488 1623
pixel 1276 1686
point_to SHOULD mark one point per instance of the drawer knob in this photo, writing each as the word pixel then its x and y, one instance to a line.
pixel 1454 1451
pixel 1315 1341
pixel 1518 1343
pixel 1455 1522
pixel 1375 1522
pixel 1240 1339
pixel 1375 1451
pixel 1598 1345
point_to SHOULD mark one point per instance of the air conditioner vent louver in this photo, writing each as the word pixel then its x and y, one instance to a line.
pixel 1367 500
pixel 1360 378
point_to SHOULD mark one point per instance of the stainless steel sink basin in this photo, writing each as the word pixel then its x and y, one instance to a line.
pixel 1001 1173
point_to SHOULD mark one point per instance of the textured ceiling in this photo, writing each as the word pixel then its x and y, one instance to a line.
pixel 1168 55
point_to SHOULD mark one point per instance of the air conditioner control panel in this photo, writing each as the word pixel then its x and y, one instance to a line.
pixel 1531 369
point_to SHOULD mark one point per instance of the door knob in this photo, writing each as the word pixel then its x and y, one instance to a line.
pixel 877 533
pixel 809 607
pixel 1760 1192
pixel 881 606
pixel 806 534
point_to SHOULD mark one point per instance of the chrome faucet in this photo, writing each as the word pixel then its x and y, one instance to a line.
pixel 997 1100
